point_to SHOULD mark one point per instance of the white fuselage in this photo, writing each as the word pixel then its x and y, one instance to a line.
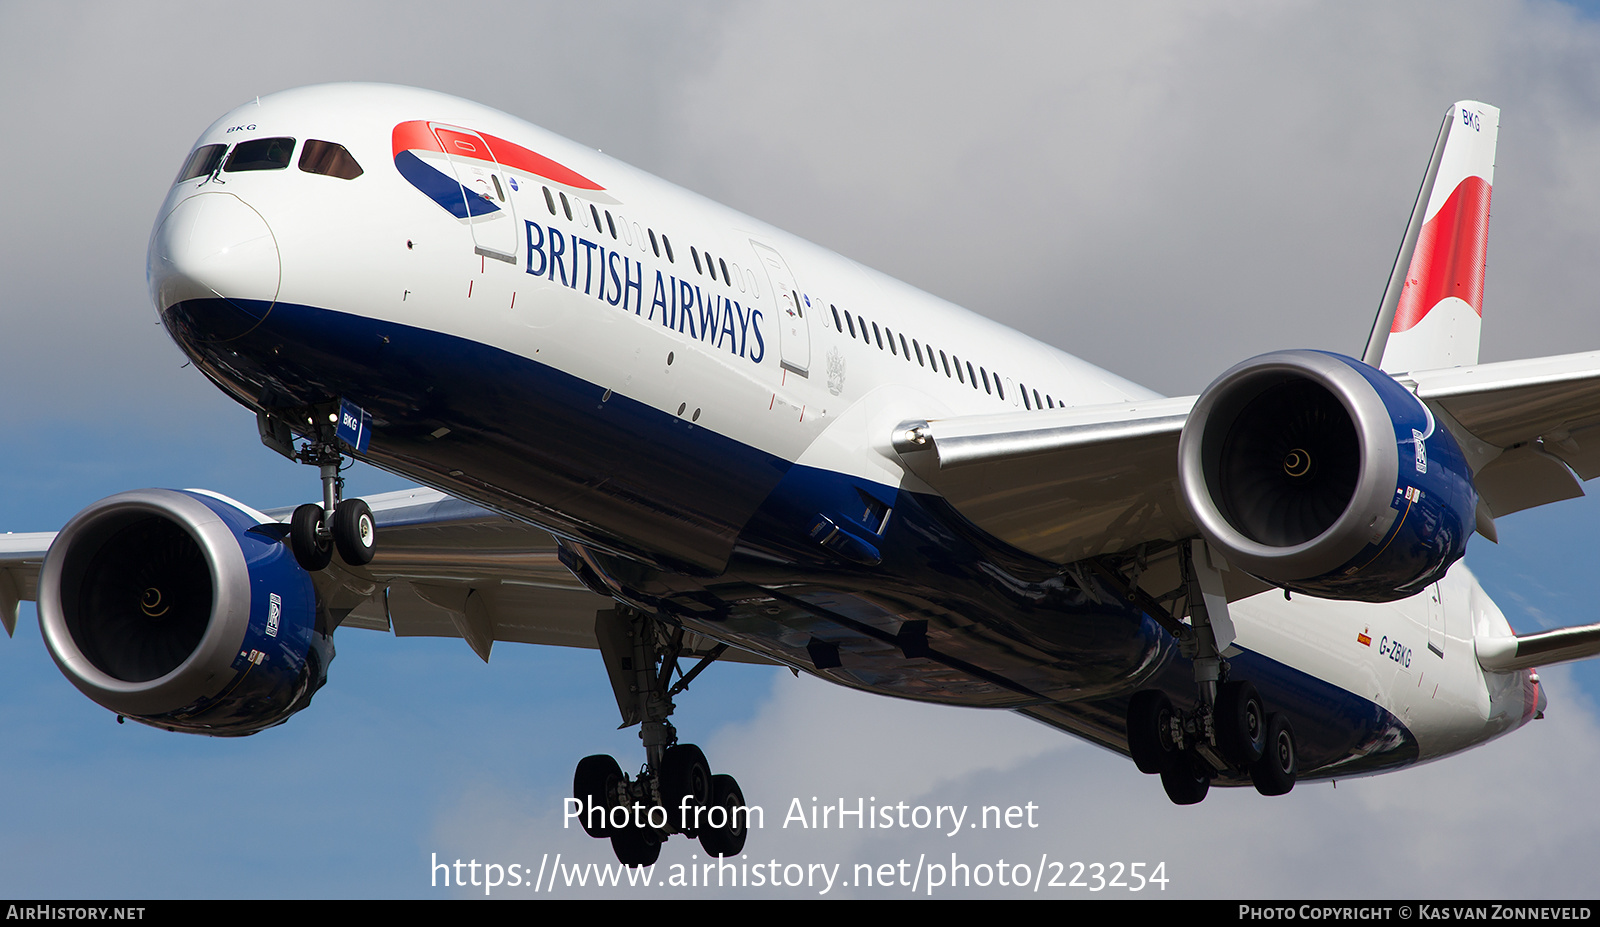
pixel 745 338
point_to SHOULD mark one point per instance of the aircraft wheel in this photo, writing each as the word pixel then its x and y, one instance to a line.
pixel 311 550
pixel 725 838
pixel 1187 781
pixel 595 784
pixel 1150 732
pixel 354 532
pixel 685 783
pixel 1280 764
pixel 636 846
pixel 1241 724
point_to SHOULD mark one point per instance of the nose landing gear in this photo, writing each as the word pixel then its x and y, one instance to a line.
pixel 338 524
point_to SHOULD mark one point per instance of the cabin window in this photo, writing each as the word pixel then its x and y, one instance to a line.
pixel 653 246
pixel 918 348
pixel 612 226
pixel 260 154
pixel 696 255
pixel 960 377
pixel 596 213
pixel 334 160
pixel 566 207
pixel 905 352
pixel 836 323
pixel 202 162
pixel 724 265
pixel 549 201
pixel 667 243
pixel 850 322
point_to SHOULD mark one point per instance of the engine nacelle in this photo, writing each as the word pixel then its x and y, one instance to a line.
pixel 184 611
pixel 1318 473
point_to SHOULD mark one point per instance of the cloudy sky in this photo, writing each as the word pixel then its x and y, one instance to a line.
pixel 1163 189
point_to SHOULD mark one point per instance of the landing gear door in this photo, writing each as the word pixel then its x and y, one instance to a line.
pixel 490 211
pixel 794 335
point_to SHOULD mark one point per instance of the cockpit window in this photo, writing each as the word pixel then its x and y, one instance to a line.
pixel 330 158
pixel 260 154
pixel 202 162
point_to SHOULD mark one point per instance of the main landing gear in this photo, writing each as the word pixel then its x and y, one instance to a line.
pixel 316 531
pixel 676 791
pixel 1229 730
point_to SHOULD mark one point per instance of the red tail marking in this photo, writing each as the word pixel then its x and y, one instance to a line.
pixel 1449 257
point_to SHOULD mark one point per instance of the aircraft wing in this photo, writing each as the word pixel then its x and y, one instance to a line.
pixel 1530 428
pixel 1073 484
pixel 1066 484
pixel 444 568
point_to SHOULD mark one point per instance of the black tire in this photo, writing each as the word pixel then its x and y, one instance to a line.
pixel 636 846
pixel 1150 732
pixel 354 532
pixel 1280 764
pixel 1187 781
pixel 685 784
pixel 727 840
pixel 311 551
pixel 596 782
pixel 1241 724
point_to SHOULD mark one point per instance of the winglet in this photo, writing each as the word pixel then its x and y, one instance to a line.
pixel 1432 314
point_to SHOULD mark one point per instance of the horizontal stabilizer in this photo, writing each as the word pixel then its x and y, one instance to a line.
pixel 1525 651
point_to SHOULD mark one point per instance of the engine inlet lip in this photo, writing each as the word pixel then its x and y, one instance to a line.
pixel 1222 402
pixel 207 669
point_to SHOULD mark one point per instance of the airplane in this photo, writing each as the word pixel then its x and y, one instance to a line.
pixel 648 425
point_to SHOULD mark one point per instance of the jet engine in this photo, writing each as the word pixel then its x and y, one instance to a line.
pixel 183 610
pixel 1318 473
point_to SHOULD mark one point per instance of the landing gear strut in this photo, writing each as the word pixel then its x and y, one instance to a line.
pixel 675 792
pixel 1229 730
pixel 316 531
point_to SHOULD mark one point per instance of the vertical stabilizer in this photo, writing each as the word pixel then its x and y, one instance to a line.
pixel 1432 315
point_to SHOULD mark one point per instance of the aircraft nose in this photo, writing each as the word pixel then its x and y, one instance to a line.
pixel 216 255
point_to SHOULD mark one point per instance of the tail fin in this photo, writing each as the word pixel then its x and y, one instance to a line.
pixel 1432 311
